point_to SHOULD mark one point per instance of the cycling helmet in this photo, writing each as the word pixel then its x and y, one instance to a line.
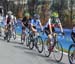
pixel 55 14
pixel 27 14
pixel 36 16
pixel 9 12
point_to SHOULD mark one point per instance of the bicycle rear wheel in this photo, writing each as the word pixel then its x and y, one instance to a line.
pixel 58 52
pixel 39 44
pixel 71 54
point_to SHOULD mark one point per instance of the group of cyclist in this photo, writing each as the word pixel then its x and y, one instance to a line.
pixel 35 22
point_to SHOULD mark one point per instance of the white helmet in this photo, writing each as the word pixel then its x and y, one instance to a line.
pixel 9 12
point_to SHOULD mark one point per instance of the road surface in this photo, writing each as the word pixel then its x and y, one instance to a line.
pixel 15 53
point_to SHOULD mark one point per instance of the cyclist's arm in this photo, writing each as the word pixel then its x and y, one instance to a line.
pixel 22 23
pixel 41 25
pixel 60 25
pixel 33 29
pixel 50 28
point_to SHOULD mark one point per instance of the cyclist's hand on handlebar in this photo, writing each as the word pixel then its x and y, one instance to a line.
pixel 63 33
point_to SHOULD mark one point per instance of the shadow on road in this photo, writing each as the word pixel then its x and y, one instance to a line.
pixel 21 47
pixel 34 53
pixel 51 60
pixel 47 59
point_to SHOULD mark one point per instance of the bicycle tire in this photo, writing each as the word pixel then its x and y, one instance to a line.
pixel 14 35
pixel 58 48
pixel 39 42
pixel 27 41
pixel 47 53
pixel 8 35
pixel 31 43
pixel 69 55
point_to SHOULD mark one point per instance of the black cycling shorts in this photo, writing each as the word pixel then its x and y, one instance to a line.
pixel 23 28
pixel 47 31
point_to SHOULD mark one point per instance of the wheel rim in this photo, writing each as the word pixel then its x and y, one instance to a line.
pixel 71 54
pixel 58 52
pixel 27 41
pixel 46 45
pixel 31 45
pixel 40 44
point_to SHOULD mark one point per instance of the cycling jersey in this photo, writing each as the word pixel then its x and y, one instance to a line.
pixel 52 22
pixel 35 23
pixel 25 21
pixel 9 19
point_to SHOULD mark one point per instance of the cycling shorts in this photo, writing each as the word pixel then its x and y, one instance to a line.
pixel 47 30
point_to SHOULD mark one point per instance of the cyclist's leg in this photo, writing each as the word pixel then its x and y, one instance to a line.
pixel 47 44
pixel 23 33
pixel 50 37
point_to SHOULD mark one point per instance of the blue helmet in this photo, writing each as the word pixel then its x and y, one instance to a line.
pixel 36 16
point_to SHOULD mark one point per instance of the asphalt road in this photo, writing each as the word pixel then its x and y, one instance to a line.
pixel 15 53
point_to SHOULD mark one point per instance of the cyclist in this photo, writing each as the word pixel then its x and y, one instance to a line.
pixel 25 24
pixel 36 24
pixel 9 19
pixel 51 25
pixel 73 38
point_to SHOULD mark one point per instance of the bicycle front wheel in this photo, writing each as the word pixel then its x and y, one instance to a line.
pixel 58 52
pixel 39 44
pixel 28 40
pixel 47 45
pixel 71 54
pixel 8 36
pixel 31 42
pixel 14 35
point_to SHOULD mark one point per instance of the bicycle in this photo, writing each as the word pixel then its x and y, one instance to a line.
pixel 35 41
pixel 56 48
pixel 8 33
pixel 71 52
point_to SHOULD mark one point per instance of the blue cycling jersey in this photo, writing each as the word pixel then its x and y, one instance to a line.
pixel 35 23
